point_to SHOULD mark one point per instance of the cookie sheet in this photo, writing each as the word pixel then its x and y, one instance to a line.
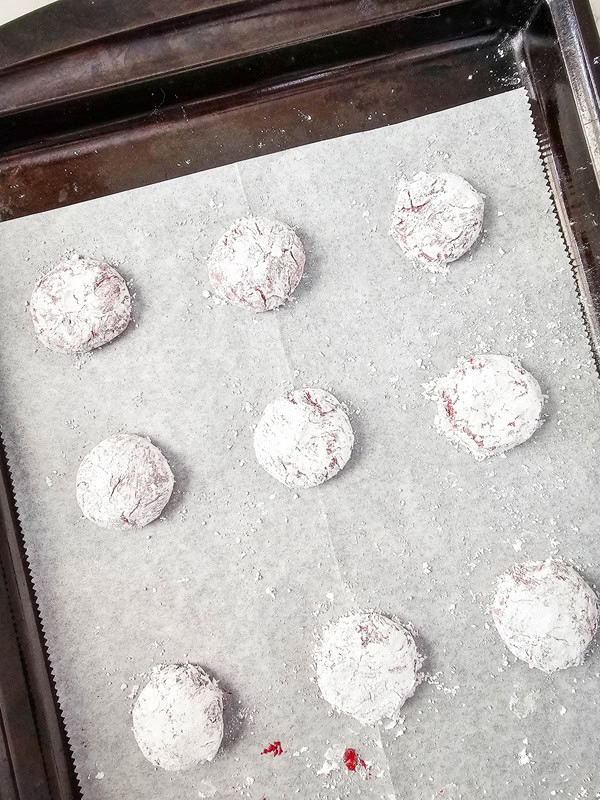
pixel 241 573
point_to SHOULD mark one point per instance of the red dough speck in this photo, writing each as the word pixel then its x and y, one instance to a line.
pixel 351 760
pixel 274 748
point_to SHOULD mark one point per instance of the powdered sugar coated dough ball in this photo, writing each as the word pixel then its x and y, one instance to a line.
pixel 437 219
pixel 488 404
pixel 257 263
pixel 304 439
pixel 367 666
pixel 124 482
pixel 546 614
pixel 178 717
pixel 80 305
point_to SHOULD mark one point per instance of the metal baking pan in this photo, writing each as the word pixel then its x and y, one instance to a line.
pixel 97 98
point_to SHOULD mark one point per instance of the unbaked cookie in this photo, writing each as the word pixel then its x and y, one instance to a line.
pixel 257 263
pixel 437 219
pixel 488 404
pixel 124 482
pixel 546 614
pixel 178 717
pixel 367 666
pixel 304 439
pixel 80 305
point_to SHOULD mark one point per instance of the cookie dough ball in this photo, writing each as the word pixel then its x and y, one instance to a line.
pixel 124 482
pixel 488 404
pixel 304 439
pixel 257 263
pixel 367 666
pixel 80 305
pixel 546 614
pixel 437 219
pixel 178 717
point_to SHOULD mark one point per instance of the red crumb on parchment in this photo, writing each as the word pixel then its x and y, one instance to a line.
pixel 274 748
pixel 351 760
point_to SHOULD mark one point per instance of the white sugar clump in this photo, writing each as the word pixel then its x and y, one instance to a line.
pixel 178 717
pixel 488 404
pixel 546 614
pixel 257 263
pixel 367 666
pixel 304 439
pixel 80 305
pixel 124 482
pixel 437 219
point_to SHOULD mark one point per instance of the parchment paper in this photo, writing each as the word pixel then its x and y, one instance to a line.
pixel 241 573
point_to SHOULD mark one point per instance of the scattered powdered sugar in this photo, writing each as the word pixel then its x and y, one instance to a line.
pixel 304 439
pixel 488 404
pixel 437 219
pixel 80 305
pixel 367 666
pixel 257 263
pixel 206 790
pixel 546 614
pixel 333 759
pixel 124 482
pixel 524 757
pixel 178 717
pixel 522 704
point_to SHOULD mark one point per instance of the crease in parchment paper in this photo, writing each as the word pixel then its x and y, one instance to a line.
pixel 288 363
pixel 320 517
pixel 290 371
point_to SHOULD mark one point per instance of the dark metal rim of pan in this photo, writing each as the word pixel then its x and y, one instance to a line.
pixel 211 82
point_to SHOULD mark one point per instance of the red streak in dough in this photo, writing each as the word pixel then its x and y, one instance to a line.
pixel 101 281
pixel 314 404
pixel 451 411
pixel 449 406
pixel 351 760
pixel 274 748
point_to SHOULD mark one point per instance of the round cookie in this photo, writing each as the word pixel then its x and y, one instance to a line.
pixel 178 717
pixel 257 263
pixel 437 219
pixel 124 482
pixel 488 404
pixel 304 439
pixel 80 305
pixel 546 614
pixel 367 666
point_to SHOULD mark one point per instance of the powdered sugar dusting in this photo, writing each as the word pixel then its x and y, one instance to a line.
pixel 257 263
pixel 522 703
pixel 178 717
pixel 304 439
pixel 546 614
pixel 367 666
pixel 437 219
pixel 124 482
pixel 80 305
pixel 488 404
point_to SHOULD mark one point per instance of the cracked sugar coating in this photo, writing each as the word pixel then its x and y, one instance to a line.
pixel 437 219
pixel 257 263
pixel 367 666
pixel 304 439
pixel 124 482
pixel 178 717
pixel 80 305
pixel 546 614
pixel 488 404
